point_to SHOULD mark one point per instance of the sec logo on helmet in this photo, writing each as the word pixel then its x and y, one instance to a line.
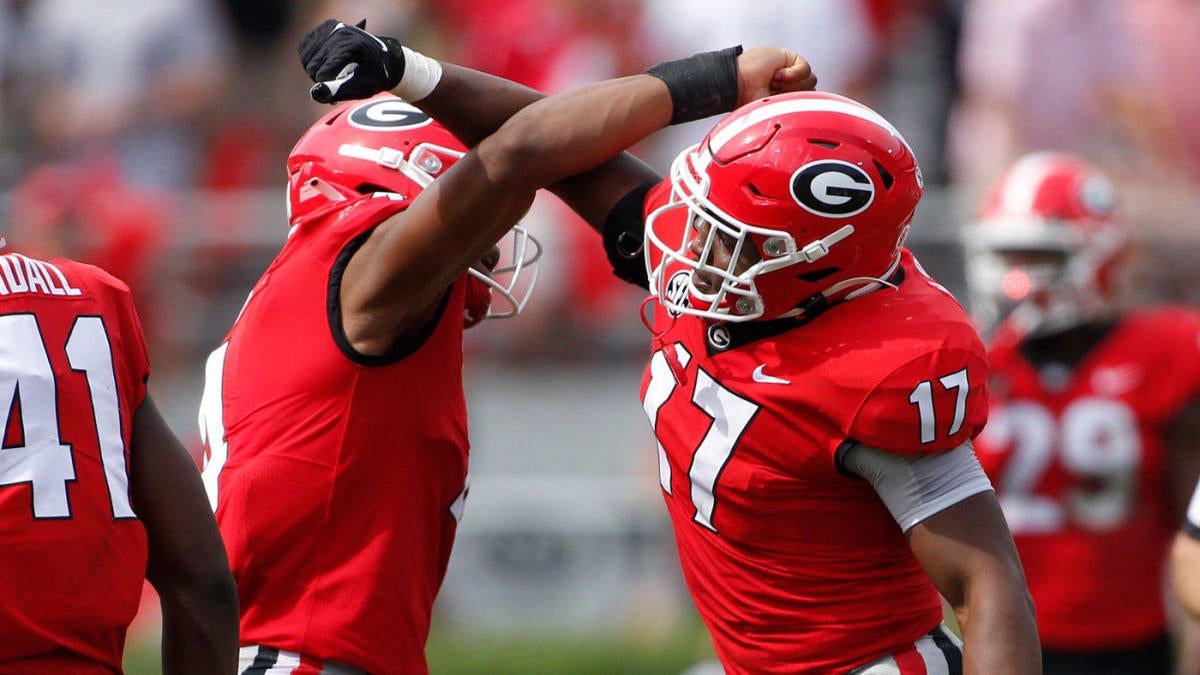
pixel 677 292
pixel 388 115
pixel 832 189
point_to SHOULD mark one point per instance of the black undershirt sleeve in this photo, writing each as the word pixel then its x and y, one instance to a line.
pixel 624 237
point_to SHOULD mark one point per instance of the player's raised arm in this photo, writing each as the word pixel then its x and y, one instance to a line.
pixel 404 266
pixel 347 62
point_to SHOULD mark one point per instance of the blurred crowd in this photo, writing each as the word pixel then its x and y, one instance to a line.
pixel 117 115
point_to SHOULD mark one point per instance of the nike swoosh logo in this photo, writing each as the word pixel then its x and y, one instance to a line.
pixel 382 44
pixel 760 376
pixel 1116 380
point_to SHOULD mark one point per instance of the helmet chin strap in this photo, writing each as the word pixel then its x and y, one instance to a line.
pixel 818 302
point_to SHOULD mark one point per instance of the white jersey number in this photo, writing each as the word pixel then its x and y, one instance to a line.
pixel 731 414
pixel 1095 441
pixel 212 422
pixel 27 378
pixel 922 397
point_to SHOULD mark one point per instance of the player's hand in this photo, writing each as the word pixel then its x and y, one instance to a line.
pixel 346 62
pixel 764 71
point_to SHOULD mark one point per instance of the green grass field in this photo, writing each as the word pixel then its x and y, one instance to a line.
pixel 529 654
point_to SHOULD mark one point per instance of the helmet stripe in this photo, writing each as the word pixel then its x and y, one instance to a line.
pixel 1022 183
pixel 787 106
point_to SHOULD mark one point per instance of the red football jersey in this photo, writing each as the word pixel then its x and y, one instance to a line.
pixel 1077 457
pixel 794 566
pixel 338 478
pixel 73 371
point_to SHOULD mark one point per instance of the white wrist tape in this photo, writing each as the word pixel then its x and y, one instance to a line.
pixel 421 75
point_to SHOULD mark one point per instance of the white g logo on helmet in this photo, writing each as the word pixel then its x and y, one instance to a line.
pixel 832 188
pixel 389 114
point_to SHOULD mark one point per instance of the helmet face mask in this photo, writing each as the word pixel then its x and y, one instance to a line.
pixel 1044 251
pixel 789 199
pixel 512 279
pixel 384 144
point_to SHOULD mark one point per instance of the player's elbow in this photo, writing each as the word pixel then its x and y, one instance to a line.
pixel 532 151
pixel 512 160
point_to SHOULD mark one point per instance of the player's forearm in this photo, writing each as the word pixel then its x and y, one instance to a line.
pixel 999 632
pixel 572 132
pixel 200 630
pixel 473 104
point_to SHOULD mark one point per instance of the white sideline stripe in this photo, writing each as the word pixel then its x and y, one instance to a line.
pixel 804 105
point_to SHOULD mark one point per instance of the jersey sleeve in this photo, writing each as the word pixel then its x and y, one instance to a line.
pixel 1177 379
pixel 933 402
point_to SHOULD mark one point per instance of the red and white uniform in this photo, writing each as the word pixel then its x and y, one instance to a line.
pixel 73 371
pixel 338 478
pixel 1077 457
pixel 795 566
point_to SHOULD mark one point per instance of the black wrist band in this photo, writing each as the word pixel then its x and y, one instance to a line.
pixel 701 85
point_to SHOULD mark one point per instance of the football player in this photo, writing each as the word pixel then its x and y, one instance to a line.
pixel 96 494
pixel 1095 414
pixel 813 392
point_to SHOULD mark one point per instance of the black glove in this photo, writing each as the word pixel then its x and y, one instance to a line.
pixel 347 62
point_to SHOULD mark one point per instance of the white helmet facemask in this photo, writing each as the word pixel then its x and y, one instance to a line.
pixel 513 279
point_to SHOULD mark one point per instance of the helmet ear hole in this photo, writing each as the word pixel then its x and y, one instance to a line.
pixel 887 177
pixel 368 188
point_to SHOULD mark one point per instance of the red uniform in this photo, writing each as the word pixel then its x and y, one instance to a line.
pixel 344 474
pixel 795 566
pixel 73 371
pixel 1077 457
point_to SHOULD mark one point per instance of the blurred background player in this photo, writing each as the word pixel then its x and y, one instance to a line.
pixel 1094 437
pixel 763 479
pixel 96 493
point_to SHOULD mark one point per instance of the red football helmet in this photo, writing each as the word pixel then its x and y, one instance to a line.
pixel 384 144
pixel 1045 247
pixel 822 187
